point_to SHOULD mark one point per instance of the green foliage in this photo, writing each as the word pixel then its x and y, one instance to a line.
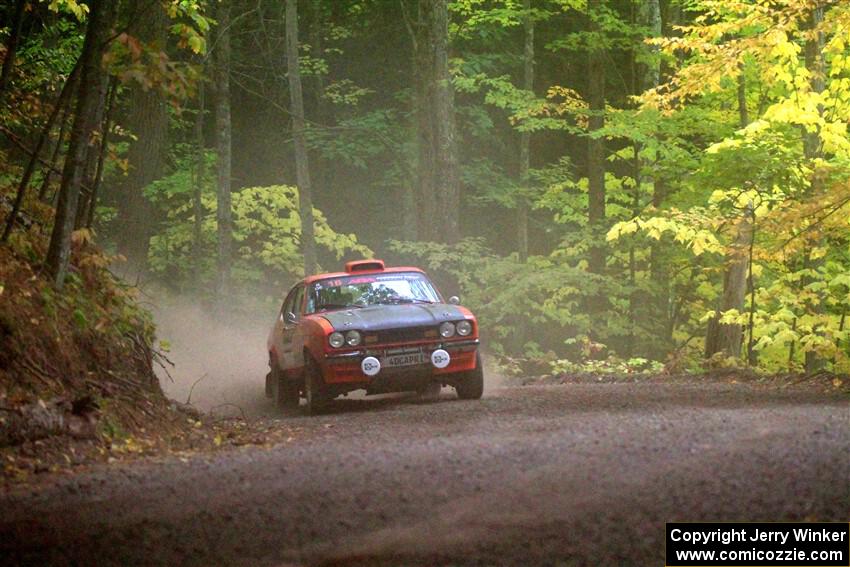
pixel 78 9
pixel 610 365
pixel 797 199
pixel 543 298
pixel 358 140
pixel 266 232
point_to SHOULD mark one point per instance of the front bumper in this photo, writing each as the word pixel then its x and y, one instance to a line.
pixel 344 367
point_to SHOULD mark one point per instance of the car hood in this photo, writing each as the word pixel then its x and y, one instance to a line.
pixel 381 317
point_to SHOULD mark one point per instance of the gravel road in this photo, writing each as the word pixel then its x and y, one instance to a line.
pixel 568 475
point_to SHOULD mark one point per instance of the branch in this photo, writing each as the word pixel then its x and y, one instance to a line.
pixel 409 25
pixel 192 389
pixel 817 223
pixel 23 147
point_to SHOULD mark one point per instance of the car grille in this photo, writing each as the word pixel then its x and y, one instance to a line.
pixel 401 335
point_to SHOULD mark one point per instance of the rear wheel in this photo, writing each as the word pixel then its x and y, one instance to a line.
pixel 315 390
pixel 283 390
pixel 471 385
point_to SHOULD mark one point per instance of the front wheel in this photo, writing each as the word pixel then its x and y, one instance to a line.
pixel 471 385
pixel 315 390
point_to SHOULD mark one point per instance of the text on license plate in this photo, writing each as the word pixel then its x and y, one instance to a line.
pixel 404 359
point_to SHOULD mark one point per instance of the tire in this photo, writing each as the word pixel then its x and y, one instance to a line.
pixel 284 391
pixel 471 385
pixel 315 390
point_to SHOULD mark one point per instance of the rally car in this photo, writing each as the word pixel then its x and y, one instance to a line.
pixel 373 328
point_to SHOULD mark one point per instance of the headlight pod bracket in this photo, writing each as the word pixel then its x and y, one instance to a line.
pixel 351 338
pixel 447 330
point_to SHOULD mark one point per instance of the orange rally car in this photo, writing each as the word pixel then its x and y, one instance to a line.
pixel 374 328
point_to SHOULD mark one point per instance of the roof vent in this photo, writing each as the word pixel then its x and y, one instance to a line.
pixel 364 266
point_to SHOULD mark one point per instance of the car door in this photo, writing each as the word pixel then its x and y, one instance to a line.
pixel 297 336
pixel 290 318
pixel 277 336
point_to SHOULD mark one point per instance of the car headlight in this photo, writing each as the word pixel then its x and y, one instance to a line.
pixel 447 330
pixel 464 328
pixel 336 339
pixel 352 338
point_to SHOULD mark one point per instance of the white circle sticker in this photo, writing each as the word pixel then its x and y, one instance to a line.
pixel 370 366
pixel 440 358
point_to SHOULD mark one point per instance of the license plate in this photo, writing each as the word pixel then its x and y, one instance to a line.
pixel 408 359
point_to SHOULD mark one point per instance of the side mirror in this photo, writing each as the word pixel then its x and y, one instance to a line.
pixel 454 300
pixel 290 318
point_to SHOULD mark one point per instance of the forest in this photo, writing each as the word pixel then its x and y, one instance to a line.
pixel 611 185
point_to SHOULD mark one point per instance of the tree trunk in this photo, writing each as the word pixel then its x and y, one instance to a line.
pixel 426 198
pixel 198 189
pixel 752 355
pixel 93 156
pixel 302 165
pixel 659 305
pixel 12 45
pixel 743 114
pixel 104 148
pixel 643 76
pixel 148 121
pixel 813 150
pixel 727 338
pixel 447 182
pixel 410 230
pixel 101 17
pixel 62 102
pixel 525 137
pixel 322 170
pixel 223 127
pixel 596 160
pixel 57 149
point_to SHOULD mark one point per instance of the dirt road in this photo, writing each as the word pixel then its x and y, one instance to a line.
pixel 574 475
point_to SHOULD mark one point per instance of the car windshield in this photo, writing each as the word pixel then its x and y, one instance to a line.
pixel 362 291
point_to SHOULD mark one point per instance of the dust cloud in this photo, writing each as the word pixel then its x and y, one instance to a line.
pixel 493 377
pixel 220 362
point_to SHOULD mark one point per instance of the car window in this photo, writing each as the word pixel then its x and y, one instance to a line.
pixel 362 291
pixel 297 301
pixel 289 302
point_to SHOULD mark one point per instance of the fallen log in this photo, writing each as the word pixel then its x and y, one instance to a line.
pixel 40 419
